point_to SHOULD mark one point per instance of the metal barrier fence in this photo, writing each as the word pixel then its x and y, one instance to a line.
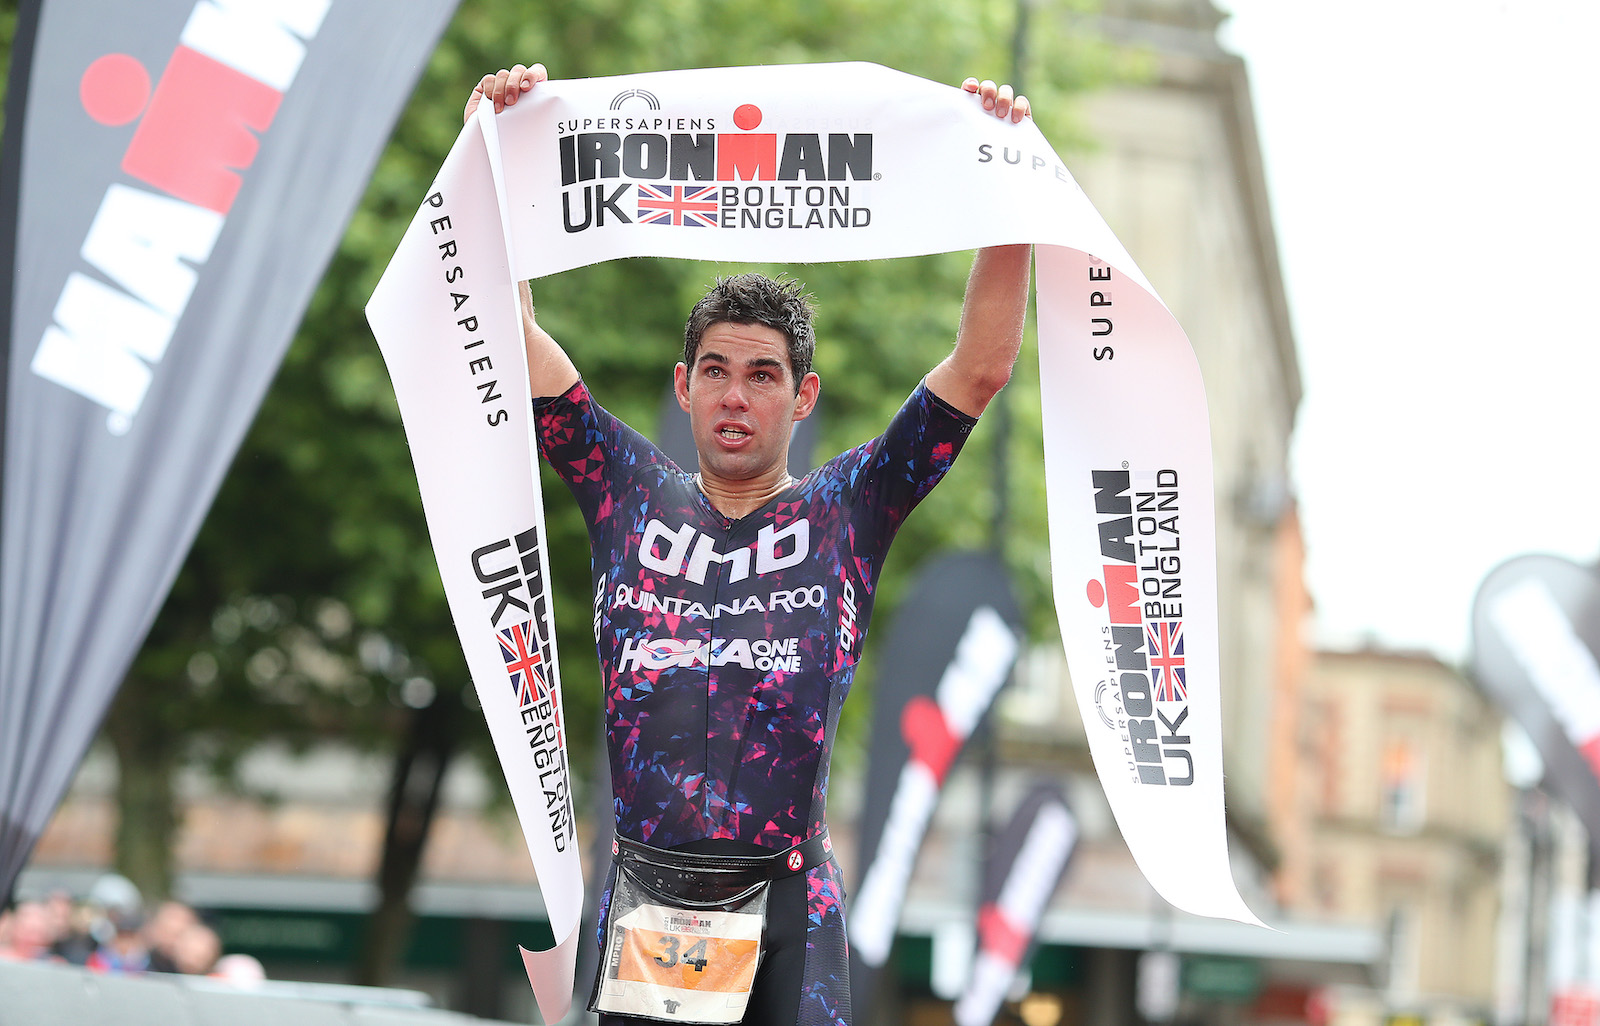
pixel 44 994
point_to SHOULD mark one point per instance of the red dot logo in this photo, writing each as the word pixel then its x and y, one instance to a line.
pixel 114 89
pixel 1097 593
pixel 747 116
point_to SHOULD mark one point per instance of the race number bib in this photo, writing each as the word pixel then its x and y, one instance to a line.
pixel 678 964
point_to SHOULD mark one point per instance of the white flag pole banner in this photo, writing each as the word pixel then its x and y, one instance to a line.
pixel 792 164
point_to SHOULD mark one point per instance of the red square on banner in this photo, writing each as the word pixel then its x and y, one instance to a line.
pixel 1575 1006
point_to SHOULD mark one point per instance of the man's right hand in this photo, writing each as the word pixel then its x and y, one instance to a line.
pixel 504 88
pixel 550 372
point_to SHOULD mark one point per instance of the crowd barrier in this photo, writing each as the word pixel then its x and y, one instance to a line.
pixel 45 994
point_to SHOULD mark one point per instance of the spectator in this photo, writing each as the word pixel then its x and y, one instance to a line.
pixel 196 949
pixel 126 951
pixel 72 929
pixel 240 970
pixel 60 906
pixel 109 932
pixel 28 936
pixel 111 894
pixel 169 922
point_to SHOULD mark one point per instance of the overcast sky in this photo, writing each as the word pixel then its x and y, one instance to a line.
pixel 1434 180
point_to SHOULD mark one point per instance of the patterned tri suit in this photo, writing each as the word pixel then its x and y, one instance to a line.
pixel 727 649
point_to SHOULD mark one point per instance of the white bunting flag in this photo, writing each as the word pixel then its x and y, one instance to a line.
pixel 794 164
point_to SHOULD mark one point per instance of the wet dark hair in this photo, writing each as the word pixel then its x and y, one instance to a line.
pixel 756 299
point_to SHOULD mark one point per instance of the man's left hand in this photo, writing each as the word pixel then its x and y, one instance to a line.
pixel 999 99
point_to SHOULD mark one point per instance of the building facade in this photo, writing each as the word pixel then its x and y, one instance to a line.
pixel 1410 815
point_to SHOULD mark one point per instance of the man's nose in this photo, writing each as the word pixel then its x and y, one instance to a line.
pixel 734 398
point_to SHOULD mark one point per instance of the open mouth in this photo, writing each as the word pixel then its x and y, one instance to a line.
pixel 732 434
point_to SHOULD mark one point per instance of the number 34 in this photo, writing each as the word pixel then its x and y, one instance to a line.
pixel 695 956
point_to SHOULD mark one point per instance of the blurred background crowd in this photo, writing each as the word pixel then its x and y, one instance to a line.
pixel 110 930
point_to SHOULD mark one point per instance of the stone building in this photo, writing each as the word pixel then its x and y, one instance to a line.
pixel 1410 814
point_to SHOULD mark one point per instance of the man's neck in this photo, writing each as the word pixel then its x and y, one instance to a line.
pixel 735 499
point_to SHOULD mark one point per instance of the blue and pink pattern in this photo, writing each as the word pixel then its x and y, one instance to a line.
pixel 825 999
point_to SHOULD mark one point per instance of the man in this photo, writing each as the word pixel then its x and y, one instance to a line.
pixel 730 609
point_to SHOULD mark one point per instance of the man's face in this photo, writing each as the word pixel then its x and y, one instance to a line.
pixel 741 400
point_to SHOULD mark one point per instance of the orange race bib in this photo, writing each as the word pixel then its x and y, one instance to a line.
pixel 721 964
pixel 675 964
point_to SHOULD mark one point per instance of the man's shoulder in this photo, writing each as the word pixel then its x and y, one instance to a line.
pixel 918 409
pixel 577 395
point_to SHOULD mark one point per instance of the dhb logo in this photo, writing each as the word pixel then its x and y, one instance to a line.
pixel 690 554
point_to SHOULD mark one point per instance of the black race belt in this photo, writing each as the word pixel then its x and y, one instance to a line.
pixel 708 881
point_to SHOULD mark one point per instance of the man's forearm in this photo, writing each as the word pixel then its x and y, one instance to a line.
pixel 990 336
pixel 550 370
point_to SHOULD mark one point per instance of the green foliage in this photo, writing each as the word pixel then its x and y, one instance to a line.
pixel 8 31
pixel 311 604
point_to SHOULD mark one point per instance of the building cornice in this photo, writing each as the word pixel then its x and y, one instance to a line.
pixel 1191 59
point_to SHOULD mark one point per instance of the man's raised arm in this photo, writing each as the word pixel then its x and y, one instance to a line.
pixel 996 303
pixel 550 370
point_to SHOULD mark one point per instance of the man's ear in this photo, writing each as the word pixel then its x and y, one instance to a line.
pixel 680 385
pixel 806 401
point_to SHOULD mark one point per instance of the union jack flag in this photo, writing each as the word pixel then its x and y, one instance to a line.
pixel 694 205
pixel 1166 660
pixel 523 661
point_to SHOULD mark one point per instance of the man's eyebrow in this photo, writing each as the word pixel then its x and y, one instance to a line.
pixel 710 356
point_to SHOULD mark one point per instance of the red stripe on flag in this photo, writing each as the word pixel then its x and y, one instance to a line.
pixel 932 742
pixel 1000 936
pixel 1591 753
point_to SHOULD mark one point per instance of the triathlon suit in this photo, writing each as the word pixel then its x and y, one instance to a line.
pixel 727 648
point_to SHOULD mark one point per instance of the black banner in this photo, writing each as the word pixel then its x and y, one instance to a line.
pixel 948 652
pixel 1535 639
pixel 177 174
pixel 1029 859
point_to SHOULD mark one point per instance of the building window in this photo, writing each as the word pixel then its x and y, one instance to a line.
pixel 1404 777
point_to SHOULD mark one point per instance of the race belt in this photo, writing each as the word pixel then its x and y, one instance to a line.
pixel 683 938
